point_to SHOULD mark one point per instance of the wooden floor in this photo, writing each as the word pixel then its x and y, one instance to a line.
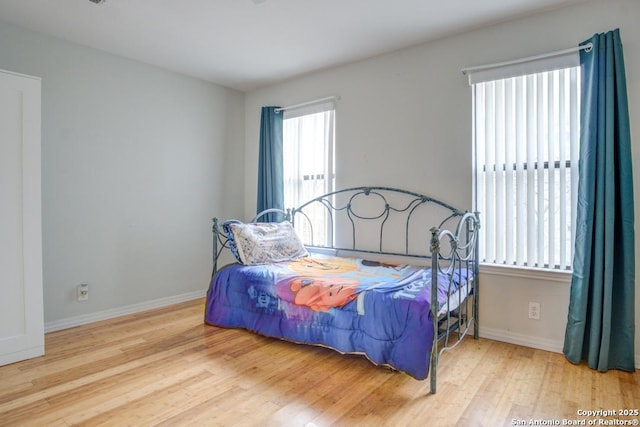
pixel 165 367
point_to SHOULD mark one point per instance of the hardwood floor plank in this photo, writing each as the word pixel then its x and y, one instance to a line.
pixel 166 367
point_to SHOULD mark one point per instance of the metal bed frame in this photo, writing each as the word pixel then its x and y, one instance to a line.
pixel 449 246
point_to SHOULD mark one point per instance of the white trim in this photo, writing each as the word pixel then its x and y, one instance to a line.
pixel 85 319
pixel 29 353
pixel 326 99
pixel 315 108
pixel 527 273
pixel 521 339
pixel 20 74
pixel 528 341
pixel 529 65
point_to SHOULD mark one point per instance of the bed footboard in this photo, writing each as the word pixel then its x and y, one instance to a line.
pixel 451 253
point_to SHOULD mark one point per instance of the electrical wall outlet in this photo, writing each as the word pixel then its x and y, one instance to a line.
pixel 83 292
pixel 534 310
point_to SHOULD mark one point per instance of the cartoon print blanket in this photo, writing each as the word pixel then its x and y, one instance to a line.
pixel 352 305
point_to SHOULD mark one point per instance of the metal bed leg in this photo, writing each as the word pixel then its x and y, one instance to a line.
pixel 476 322
pixel 432 375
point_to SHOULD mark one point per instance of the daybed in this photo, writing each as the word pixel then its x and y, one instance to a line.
pixel 372 279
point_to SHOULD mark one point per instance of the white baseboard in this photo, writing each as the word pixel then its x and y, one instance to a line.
pixel 18 356
pixel 84 319
pixel 521 339
pixel 528 341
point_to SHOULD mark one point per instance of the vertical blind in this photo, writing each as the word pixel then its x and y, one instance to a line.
pixel 308 145
pixel 526 133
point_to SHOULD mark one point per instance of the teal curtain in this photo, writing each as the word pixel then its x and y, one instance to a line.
pixel 270 173
pixel 601 321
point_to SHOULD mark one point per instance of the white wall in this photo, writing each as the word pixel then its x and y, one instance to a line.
pixel 135 162
pixel 404 119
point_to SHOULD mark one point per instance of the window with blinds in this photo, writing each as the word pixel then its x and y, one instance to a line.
pixel 308 172
pixel 526 133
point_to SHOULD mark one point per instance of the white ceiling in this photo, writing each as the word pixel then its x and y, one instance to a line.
pixel 246 44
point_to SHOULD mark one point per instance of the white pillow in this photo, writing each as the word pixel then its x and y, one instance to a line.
pixel 264 243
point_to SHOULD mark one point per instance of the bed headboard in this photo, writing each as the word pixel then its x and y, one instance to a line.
pixel 383 221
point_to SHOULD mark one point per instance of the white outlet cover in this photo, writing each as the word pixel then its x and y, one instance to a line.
pixel 534 310
pixel 83 292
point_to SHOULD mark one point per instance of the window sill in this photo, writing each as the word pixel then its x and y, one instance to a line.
pixel 527 273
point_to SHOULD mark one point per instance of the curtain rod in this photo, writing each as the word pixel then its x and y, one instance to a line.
pixel 304 104
pixel 587 47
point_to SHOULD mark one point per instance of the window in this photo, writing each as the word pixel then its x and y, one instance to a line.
pixel 308 146
pixel 526 137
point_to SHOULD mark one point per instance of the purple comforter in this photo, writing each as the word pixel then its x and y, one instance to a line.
pixel 351 305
